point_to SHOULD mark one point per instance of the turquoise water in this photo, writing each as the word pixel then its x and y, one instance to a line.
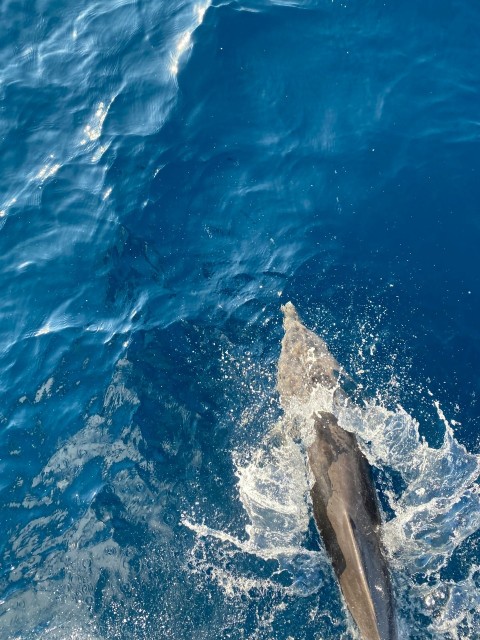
pixel 170 174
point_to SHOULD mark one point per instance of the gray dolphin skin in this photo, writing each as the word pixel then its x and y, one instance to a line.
pixel 345 505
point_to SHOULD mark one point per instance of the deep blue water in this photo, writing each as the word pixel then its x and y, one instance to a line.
pixel 172 172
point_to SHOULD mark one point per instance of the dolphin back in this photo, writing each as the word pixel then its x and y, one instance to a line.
pixel 347 515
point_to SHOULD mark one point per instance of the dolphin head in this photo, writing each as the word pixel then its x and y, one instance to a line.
pixel 305 361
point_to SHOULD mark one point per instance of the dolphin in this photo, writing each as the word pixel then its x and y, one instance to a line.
pixel 345 505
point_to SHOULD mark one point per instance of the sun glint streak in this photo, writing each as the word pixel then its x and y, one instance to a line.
pixel 93 130
pixel 184 42
pixel 47 171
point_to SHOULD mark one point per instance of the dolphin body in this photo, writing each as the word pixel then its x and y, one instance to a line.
pixel 345 505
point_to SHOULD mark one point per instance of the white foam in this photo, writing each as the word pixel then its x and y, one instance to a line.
pixel 435 506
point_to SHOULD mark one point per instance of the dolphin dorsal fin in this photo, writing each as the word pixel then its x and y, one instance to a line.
pixel 354 580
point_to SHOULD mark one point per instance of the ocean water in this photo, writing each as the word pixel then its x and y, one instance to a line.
pixel 171 173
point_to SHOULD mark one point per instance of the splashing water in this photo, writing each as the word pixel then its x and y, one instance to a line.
pixel 432 494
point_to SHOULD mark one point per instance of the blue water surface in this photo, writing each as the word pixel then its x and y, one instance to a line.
pixel 171 173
